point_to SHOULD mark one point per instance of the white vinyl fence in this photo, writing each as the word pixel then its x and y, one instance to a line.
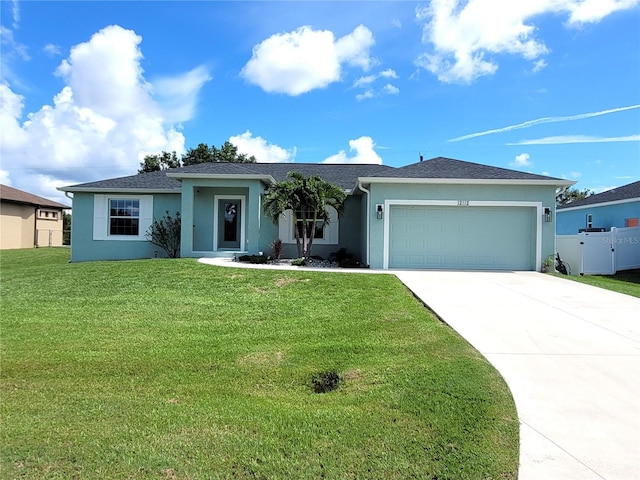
pixel 601 253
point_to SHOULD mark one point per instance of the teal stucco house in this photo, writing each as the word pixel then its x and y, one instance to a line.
pixel 439 214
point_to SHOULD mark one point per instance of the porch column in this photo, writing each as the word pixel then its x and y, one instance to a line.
pixel 186 232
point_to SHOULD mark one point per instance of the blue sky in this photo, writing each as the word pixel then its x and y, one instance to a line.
pixel 552 87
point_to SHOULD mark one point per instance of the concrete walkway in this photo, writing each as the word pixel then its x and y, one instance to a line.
pixel 570 354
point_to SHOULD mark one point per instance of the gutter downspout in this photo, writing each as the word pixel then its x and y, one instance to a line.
pixel 368 214
pixel 66 194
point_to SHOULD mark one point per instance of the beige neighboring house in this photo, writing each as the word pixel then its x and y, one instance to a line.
pixel 27 220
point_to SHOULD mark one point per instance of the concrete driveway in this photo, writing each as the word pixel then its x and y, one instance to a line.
pixel 570 354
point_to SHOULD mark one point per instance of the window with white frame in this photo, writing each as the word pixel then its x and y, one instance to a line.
pixel 122 217
pixel 324 234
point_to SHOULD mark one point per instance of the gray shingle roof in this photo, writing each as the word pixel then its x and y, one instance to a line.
pixel 10 194
pixel 343 175
pixel 625 192
pixel 442 167
pixel 150 181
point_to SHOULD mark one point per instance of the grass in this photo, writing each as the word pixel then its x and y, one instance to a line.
pixel 627 281
pixel 170 369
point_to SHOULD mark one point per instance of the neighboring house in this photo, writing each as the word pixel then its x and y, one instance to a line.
pixel 27 220
pixel 618 207
pixel 440 213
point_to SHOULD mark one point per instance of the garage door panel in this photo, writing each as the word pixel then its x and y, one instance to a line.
pixel 462 237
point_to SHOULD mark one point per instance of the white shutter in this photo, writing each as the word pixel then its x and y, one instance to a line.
pixel 146 215
pixel 100 217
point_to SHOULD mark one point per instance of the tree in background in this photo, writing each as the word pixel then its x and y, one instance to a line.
pixel 203 153
pixel 162 161
pixel 66 228
pixel 308 198
pixel 228 152
pixel 566 195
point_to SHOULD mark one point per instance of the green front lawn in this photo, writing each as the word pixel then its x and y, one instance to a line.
pixel 170 369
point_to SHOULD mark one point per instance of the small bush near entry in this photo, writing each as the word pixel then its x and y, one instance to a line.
pixel 165 233
pixel 276 247
pixel 299 262
pixel 324 382
pixel 259 259
pixel 345 259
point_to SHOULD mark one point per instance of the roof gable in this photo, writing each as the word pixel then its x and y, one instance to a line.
pixel 14 195
pixel 626 192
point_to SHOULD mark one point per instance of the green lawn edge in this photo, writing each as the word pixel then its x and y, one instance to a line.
pixel 626 281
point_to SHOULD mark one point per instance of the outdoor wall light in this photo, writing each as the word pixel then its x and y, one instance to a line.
pixel 547 214
pixel 379 211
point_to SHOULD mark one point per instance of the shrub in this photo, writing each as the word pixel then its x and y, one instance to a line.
pixel 165 233
pixel 299 262
pixel 258 259
pixel 345 259
pixel 340 255
pixel 276 247
pixel 324 382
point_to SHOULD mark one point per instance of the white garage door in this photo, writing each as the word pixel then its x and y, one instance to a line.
pixel 466 238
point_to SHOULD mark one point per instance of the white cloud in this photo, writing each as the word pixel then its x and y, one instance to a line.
pixel 12 137
pixel 102 122
pixel 178 95
pixel 521 160
pixel 464 37
pixel 388 73
pixel 105 74
pixel 366 95
pixel 354 48
pixel 4 177
pixel 52 50
pixel 12 52
pixel 540 121
pixel 591 11
pixel 367 81
pixel 389 89
pixel 364 148
pixel 303 60
pixel 539 65
pixel 562 139
pixel 261 149
pixel 15 11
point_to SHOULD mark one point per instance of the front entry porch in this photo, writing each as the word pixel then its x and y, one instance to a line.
pixel 221 219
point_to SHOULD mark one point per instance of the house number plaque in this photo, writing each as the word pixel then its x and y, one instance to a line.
pixel 463 203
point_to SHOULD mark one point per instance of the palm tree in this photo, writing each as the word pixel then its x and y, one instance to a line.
pixel 308 198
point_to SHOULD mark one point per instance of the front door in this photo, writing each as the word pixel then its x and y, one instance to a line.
pixel 229 223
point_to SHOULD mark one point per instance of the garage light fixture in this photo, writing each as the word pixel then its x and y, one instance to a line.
pixel 547 214
pixel 379 211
